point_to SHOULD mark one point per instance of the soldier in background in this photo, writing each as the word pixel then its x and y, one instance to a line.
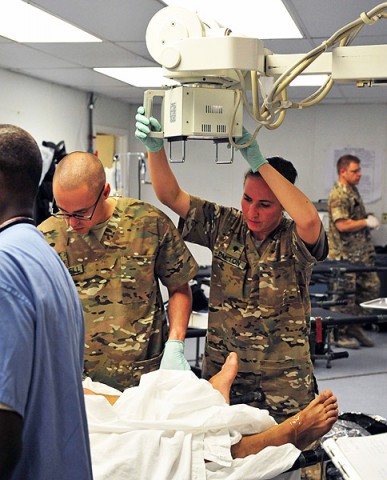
pixel 117 250
pixel 350 239
pixel 259 304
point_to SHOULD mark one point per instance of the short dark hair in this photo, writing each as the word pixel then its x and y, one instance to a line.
pixel 345 160
pixel 20 161
pixel 284 167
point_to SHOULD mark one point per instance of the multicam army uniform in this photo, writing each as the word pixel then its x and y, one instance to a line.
pixel 117 281
pixel 345 202
pixel 259 306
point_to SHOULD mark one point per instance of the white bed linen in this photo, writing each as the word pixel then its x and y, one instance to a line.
pixel 168 426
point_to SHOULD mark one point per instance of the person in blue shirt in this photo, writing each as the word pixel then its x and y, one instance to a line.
pixel 43 423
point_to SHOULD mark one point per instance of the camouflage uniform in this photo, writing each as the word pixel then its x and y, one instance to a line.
pixel 259 306
pixel 117 281
pixel 357 247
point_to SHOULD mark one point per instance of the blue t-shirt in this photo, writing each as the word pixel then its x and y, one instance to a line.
pixel 41 357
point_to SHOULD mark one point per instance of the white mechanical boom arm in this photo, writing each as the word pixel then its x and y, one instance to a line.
pixel 214 70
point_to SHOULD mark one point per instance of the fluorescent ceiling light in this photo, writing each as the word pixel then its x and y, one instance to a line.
pixel 309 81
pixel 264 19
pixel 22 22
pixel 138 76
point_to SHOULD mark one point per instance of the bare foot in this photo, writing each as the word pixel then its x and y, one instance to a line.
pixel 222 381
pixel 315 420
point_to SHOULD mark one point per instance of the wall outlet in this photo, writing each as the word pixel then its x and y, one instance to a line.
pixel 384 217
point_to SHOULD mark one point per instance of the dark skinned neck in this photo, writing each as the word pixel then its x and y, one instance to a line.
pixel 9 220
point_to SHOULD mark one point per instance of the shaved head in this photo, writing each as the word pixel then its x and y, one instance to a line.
pixel 79 169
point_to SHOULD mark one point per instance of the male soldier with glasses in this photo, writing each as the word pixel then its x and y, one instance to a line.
pixel 117 250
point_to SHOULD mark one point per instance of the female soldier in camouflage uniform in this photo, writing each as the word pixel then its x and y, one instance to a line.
pixel 259 304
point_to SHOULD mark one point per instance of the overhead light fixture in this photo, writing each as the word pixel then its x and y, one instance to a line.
pixel 147 77
pixel 309 81
pixel 266 19
pixel 22 22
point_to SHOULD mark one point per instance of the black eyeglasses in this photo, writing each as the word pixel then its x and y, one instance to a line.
pixel 78 216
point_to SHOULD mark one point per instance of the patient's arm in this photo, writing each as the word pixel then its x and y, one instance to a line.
pixel 110 398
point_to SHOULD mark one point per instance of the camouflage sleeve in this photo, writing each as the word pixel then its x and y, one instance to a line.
pixel 204 221
pixel 46 227
pixel 310 254
pixel 320 249
pixel 53 229
pixel 175 264
pixel 339 206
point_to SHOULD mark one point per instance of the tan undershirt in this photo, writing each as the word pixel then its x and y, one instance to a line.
pixel 257 243
pixel 95 234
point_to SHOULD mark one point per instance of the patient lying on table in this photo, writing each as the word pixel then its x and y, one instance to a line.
pixel 175 426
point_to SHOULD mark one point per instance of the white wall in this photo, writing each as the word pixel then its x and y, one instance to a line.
pixel 53 113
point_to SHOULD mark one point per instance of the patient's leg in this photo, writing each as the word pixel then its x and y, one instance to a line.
pixel 300 430
pixel 222 381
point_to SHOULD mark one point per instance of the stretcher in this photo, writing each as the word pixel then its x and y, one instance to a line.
pixel 332 272
pixel 323 323
pixel 338 267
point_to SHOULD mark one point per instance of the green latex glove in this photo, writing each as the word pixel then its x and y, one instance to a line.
pixel 173 357
pixel 144 126
pixel 251 154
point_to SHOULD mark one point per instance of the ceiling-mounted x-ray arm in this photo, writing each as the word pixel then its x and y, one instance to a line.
pixel 363 65
pixel 215 70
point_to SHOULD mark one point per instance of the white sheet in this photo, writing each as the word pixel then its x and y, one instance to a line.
pixel 168 426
